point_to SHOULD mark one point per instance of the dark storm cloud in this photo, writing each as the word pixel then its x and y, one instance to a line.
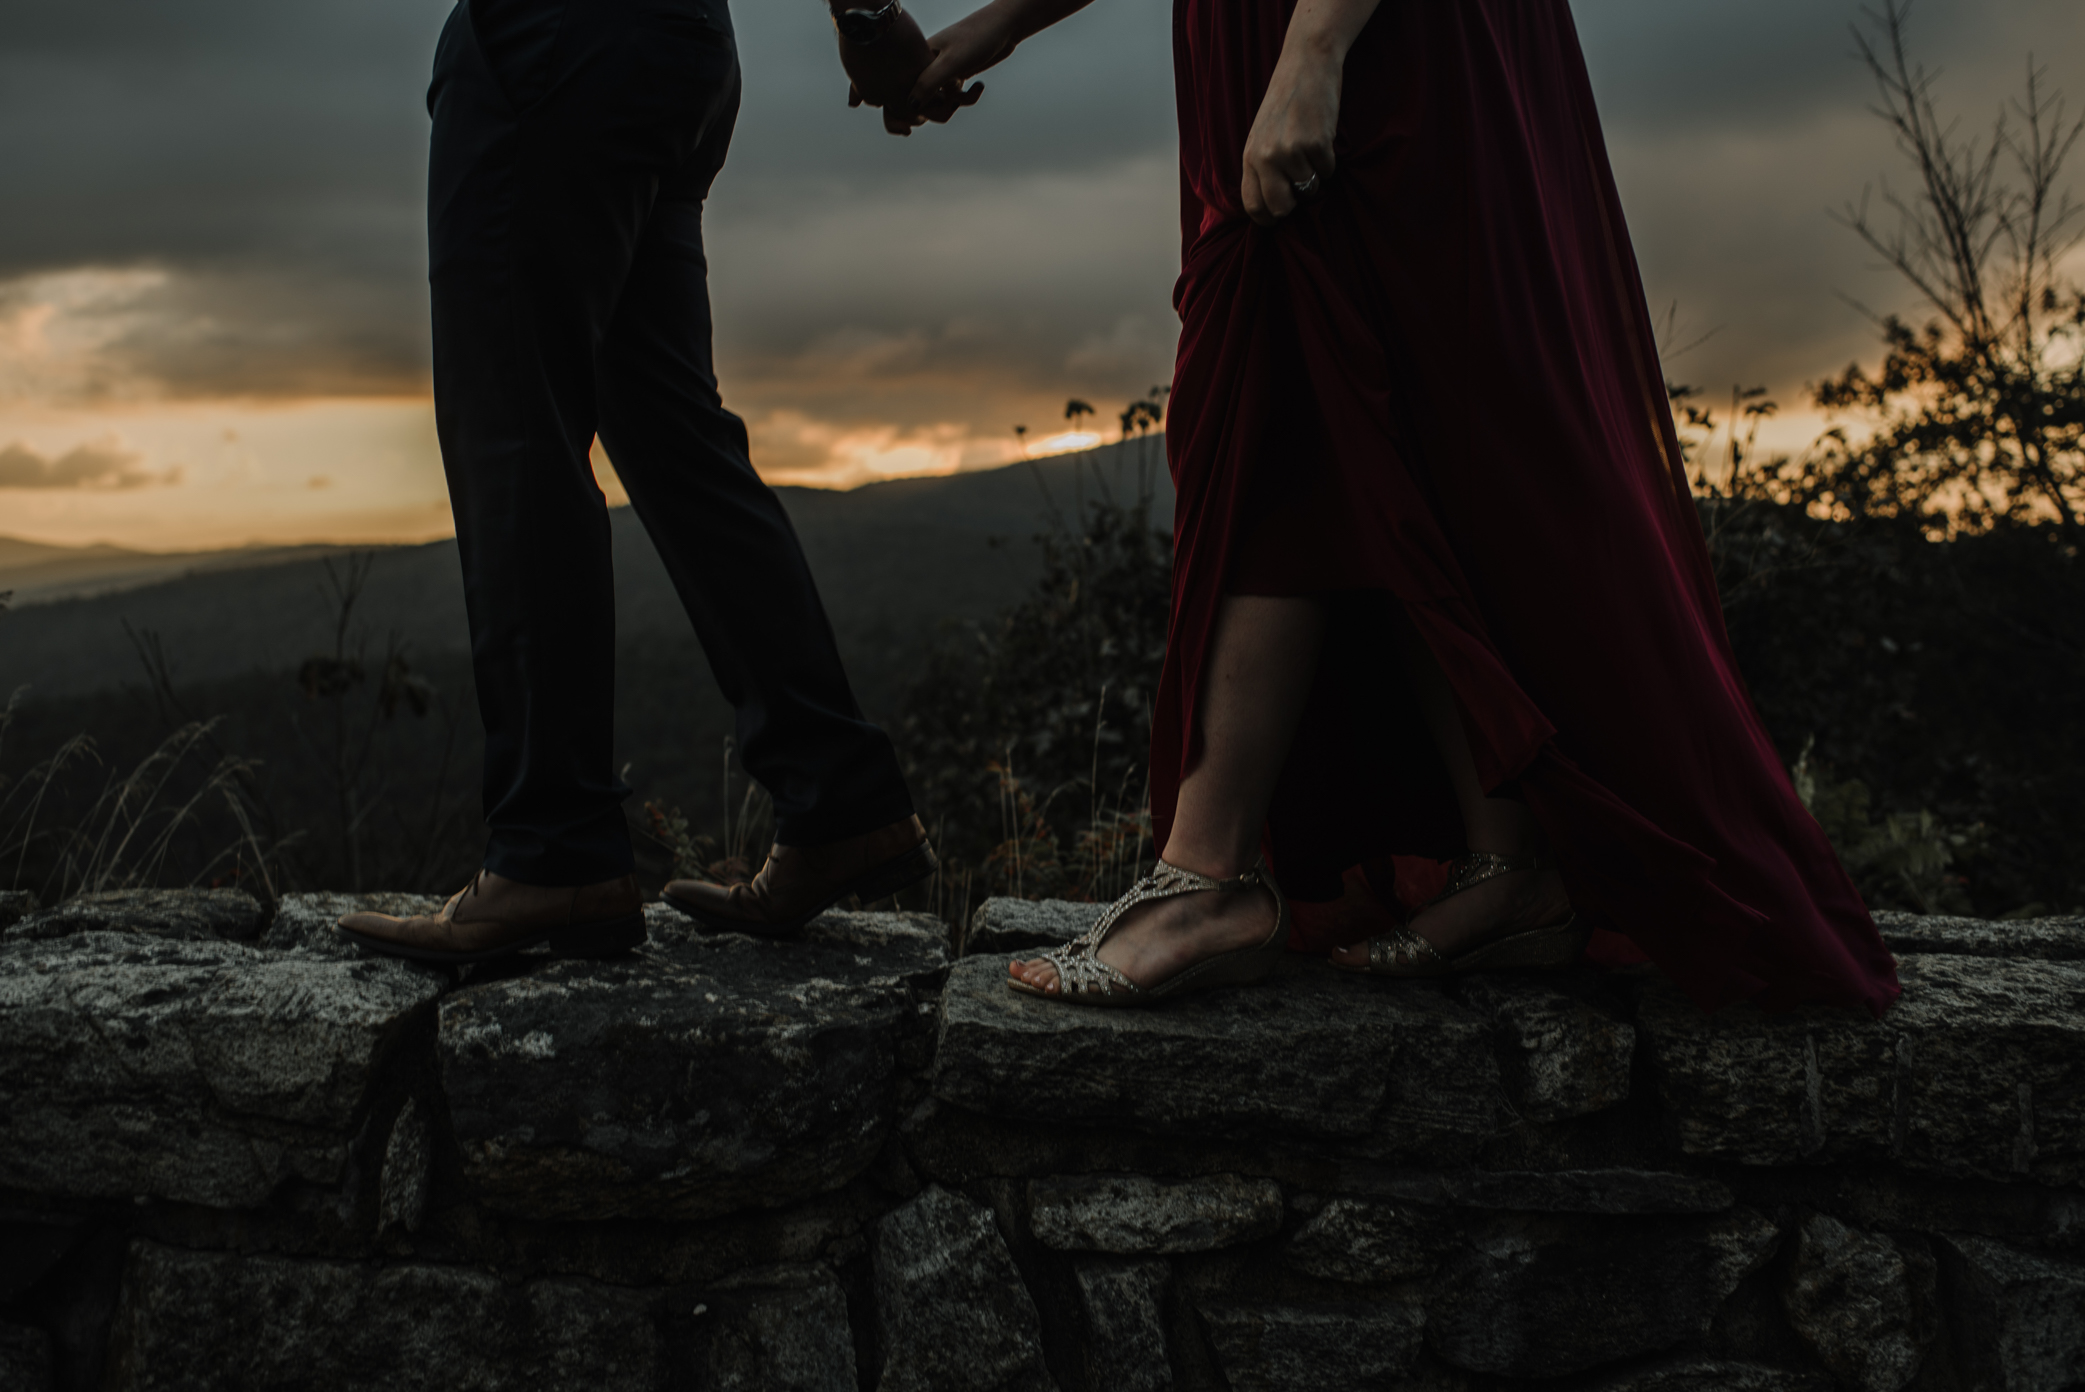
pixel 268 155
pixel 1766 63
pixel 269 158
pixel 206 130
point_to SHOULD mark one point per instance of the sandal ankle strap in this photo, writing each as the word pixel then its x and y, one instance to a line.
pixel 1473 868
pixel 1166 881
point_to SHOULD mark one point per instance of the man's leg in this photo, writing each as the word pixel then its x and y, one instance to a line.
pixel 554 131
pixel 542 178
pixel 730 548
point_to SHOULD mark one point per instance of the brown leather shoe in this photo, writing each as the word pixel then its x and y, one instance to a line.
pixel 798 883
pixel 493 916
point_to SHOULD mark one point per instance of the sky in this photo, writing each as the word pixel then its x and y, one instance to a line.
pixel 212 263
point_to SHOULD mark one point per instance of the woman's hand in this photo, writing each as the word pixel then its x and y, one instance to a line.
pixel 1291 138
pixel 966 48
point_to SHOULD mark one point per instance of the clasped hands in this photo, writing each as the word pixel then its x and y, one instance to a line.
pixel 1288 156
pixel 914 79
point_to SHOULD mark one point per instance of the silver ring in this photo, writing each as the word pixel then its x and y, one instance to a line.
pixel 1305 188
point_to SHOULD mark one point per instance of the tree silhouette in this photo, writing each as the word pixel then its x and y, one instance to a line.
pixel 1075 408
pixel 1141 416
pixel 1979 416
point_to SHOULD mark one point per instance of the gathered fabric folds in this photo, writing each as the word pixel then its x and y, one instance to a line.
pixel 1433 398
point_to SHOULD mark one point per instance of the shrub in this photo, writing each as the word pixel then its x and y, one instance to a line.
pixel 1027 739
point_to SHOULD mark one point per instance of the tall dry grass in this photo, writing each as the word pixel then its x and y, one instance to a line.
pixel 73 825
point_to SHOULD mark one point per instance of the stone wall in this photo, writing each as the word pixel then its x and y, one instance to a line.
pixel 234 1155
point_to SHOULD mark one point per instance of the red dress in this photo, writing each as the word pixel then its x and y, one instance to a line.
pixel 1434 398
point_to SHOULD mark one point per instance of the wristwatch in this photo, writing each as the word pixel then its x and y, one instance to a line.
pixel 862 27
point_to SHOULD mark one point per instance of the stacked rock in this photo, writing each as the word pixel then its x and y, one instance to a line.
pixel 235 1155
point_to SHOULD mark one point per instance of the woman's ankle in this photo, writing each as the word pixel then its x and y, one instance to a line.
pixel 1216 864
pixel 1505 827
pixel 1218 857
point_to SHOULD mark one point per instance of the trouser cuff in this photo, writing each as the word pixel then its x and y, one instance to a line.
pixel 603 853
pixel 828 824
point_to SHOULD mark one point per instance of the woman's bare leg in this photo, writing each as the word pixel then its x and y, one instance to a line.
pixel 1261 664
pixel 1499 825
pixel 1262 660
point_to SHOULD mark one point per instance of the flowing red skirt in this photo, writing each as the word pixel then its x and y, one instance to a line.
pixel 1434 398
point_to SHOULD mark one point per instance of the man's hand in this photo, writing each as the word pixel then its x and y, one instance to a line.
pixel 882 73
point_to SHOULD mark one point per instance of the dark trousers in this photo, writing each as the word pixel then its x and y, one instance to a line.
pixel 574 143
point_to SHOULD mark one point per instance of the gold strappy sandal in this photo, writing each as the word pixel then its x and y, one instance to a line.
pixel 1083 979
pixel 1402 952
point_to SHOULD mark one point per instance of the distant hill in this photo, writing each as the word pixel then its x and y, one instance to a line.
pixel 894 560
pixel 33 573
pixel 15 553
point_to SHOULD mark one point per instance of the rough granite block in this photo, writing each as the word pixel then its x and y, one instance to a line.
pixel 2060 939
pixel 2018 1318
pixel 1769 1089
pixel 1978 1071
pixel 1368 1242
pixel 1588 1191
pixel 1567 1055
pixel 698 1076
pixel 1860 1303
pixel 192 1319
pixel 1312 1348
pixel 952 1310
pixel 1130 1215
pixel 1393 1067
pixel 229 915
pixel 1120 1302
pixel 1991 1068
pixel 204 1071
pixel 1548 1297
pixel 792 1336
